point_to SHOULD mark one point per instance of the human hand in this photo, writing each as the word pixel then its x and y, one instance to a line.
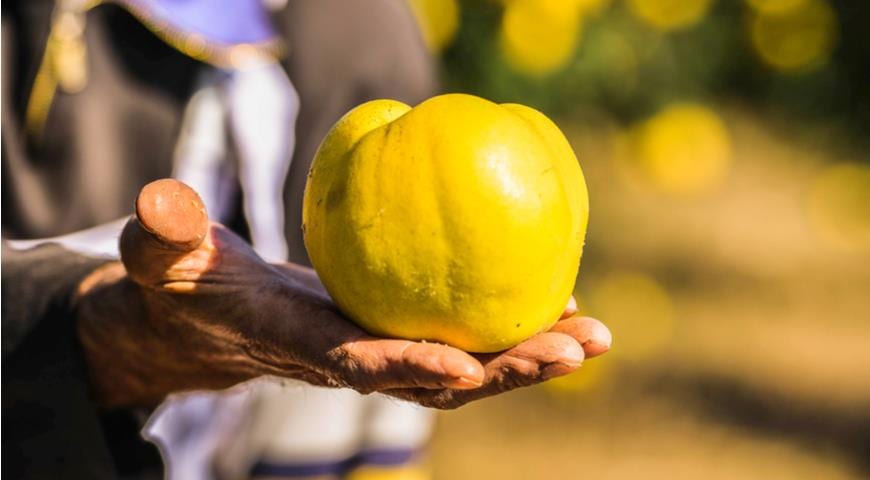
pixel 193 307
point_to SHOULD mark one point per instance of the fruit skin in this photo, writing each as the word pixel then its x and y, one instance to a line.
pixel 459 221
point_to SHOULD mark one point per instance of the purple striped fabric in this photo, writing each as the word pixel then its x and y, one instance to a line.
pixel 225 22
pixel 378 457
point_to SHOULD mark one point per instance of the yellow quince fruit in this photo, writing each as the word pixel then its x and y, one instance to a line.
pixel 458 221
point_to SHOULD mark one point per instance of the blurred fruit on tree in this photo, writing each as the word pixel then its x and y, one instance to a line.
pixel 685 149
pixel 438 21
pixel 538 37
pixel 797 35
pixel 639 312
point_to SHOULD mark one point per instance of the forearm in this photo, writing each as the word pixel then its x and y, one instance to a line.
pixel 47 399
pixel 38 285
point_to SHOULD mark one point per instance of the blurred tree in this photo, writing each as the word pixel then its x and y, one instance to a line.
pixel 805 60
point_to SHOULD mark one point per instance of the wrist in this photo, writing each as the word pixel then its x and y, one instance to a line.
pixel 142 345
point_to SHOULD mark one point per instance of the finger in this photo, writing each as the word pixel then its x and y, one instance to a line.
pixel 593 335
pixel 170 221
pixel 570 309
pixel 371 364
pixel 540 358
pixel 544 356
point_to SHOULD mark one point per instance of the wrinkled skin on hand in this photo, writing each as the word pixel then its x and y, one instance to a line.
pixel 192 307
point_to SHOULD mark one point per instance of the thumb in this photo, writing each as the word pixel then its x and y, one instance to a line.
pixel 170 221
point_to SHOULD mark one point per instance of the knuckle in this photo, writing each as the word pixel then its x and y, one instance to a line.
pixel 517 375
pixel 445 400
pixel 348 371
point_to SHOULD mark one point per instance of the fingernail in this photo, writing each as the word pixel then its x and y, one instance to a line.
pixel 598 343
pixel 572 305
pixel 570 308
pixel 604 338
pixel 463 383
pixel 557 369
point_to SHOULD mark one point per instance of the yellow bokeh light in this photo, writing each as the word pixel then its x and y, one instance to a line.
pixel 637 309
pixel 685 149
pixel 405 472
pixel 581 6
pixel 668 15
pixel 539 36
pixel 795 39
pixel 590 375
pixel 839 205
pixel 438 21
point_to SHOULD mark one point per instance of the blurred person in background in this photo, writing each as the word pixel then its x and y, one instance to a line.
pixel 241 105
pixel 96 105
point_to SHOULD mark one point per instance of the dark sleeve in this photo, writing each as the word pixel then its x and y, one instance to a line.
pixel 51 427
pixel 36 282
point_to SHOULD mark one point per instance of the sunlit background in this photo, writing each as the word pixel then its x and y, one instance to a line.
pixel 725 144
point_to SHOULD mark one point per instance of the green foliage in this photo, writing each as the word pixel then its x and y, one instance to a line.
pixel 628 69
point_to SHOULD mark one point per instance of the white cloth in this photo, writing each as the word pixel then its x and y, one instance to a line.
pixel 100 241
pixel 257 108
